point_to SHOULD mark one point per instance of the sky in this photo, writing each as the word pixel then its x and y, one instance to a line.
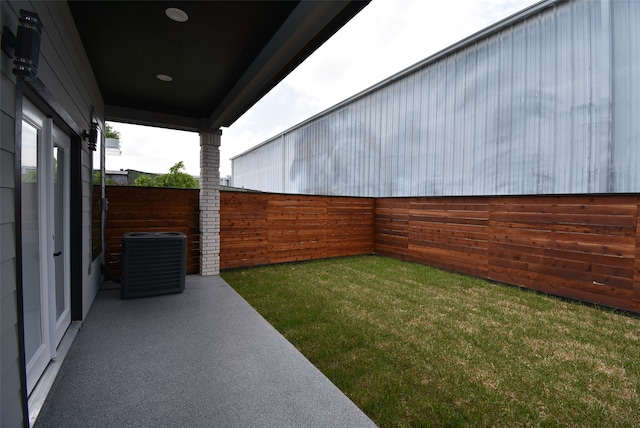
pixel 386 37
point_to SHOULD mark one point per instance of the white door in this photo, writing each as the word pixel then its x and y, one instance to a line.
pixel 45 238
pixel 61 310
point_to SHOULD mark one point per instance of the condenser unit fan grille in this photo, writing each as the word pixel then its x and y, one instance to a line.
pixel 153 263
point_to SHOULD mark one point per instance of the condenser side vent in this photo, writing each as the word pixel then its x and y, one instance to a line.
pixel 153 263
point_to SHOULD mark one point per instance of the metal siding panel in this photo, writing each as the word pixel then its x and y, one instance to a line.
pixel 524 110
pixel 581 100
pixel 290 159
pixel 563 150
pixel 392 139
pixel 601 78
pixel 361 182
pixel 414 135
pixel 448 136
pixel 497 183
pixel 364 137
pixel 467 134
pixel 509 114
pixel 455 119
pixel 548 86
pixel 403 161
pixel 421 132
pixel 626 96
pixel 385 173
pixel 378 114
pixel 429 117
pixel 403 169
pixel 354 149
pixel 632 183
pixel 439 120
pixel 341 155
pixel 482 159
pixel 531 143
pixel 294 159
pixel 262 170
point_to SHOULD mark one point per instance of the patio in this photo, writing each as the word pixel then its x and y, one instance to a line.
pixel 203 357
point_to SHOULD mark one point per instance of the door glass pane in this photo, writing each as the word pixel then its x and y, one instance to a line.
pixel 59 164
pixel 30 241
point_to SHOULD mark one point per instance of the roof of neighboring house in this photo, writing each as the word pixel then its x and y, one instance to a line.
pixel 223 59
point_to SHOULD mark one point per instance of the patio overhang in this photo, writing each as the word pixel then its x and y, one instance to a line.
pixel 221 61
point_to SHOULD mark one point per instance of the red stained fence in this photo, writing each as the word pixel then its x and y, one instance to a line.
pixel 259 228
pixel 150 209
pixel 585 247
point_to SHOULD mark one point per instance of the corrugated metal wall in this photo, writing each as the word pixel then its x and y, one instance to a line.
pixel 547 102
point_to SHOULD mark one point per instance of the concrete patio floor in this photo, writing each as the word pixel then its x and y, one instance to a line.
pixel 201 358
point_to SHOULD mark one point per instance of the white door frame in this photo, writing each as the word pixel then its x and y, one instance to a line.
pixel 51 329
pixel 60 324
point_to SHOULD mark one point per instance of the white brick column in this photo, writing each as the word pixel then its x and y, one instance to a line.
pixel 210 202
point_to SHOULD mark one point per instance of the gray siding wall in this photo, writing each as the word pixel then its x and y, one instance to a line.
pixel 65 71
pixel 540 104
pixel 10 388
pixel 10 392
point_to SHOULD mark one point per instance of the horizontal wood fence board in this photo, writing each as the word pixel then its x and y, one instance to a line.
pixel 534 279
pixel 550 285
pixel 564 200
pixel 544 208
pixel 517 250
pixel 140 209
pixel 443 231
pixel 572 228
pixel 598 265
pixel 566 218
pixel 566 272
pixel 603 247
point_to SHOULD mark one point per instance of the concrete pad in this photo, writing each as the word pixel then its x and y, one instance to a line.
pixel 202 358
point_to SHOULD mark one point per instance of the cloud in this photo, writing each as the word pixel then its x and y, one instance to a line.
pixel 155 150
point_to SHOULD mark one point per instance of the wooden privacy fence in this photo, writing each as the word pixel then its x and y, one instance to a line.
pixel 585 247
pixel 150 209
pixel 259 228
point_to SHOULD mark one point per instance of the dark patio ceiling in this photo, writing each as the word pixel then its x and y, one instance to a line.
pixel 223 59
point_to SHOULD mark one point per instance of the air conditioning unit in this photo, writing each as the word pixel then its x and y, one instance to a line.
pixel 153 263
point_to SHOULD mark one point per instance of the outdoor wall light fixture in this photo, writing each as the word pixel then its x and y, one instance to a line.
pixel 176 14
pixel 25 47
pixel 164 77
pixel 91 136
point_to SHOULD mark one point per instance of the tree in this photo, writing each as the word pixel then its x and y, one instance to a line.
pixel 96 179
pixel 176 178
pixel 111 133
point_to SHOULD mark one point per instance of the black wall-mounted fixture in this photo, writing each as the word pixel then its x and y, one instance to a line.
pixel 27 45
pixel 91 136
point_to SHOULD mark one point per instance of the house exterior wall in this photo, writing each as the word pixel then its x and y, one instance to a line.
pixel 541 103
pixel 65 72
pixel 10 369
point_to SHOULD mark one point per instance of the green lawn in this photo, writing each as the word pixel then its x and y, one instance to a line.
pixel 416 346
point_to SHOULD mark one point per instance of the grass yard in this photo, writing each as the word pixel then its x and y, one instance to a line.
pixel 416 346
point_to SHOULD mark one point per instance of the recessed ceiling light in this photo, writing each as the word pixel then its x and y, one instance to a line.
pixel 164 77
pixel 176 14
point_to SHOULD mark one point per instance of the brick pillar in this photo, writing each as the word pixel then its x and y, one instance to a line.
pixel 210 202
